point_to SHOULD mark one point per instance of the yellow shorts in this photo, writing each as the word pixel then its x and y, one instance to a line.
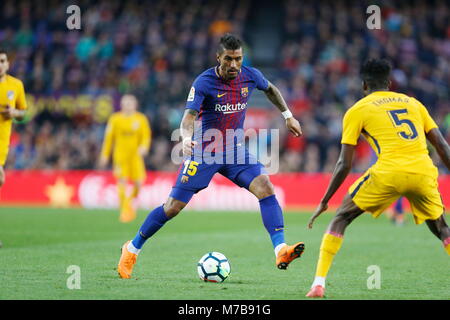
pixel 375 191
pixel 133 169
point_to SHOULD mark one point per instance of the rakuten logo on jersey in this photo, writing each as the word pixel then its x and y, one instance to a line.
pixel 230 108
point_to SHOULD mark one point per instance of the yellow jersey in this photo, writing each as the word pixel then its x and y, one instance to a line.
pixel 12 93
pixel 126 134
pixel 395 125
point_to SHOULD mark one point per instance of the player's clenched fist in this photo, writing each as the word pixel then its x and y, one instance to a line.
pixel 188 144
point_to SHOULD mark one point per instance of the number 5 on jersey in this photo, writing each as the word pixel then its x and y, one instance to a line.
pixel 394 114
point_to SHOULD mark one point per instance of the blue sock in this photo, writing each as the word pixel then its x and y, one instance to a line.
pixel 272 217
pixel 399 206
pixel 154 221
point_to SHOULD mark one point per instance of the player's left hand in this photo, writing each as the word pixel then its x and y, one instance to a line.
pixel 294 126
pixel 320 208
pixel 7 112
pixel 143 151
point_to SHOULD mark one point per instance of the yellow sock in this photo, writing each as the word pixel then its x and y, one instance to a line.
pixel 134 193
pixel 121 189
pixel 331 243
pixel 447 245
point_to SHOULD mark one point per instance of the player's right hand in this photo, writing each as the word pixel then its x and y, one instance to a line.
pixel 188 144
pixel 320 208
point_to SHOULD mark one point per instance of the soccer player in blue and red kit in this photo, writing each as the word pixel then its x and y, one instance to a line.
pixel 218 98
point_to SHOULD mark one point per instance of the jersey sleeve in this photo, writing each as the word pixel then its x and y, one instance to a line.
pixel 261 82
pixel 196 95
pixel 351 127
pixel 108 139
pixel 428 122
pixel 21 102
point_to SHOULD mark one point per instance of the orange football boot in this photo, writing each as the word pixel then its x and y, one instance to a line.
pixel 126 262
pixel 288 254
pixel 316 292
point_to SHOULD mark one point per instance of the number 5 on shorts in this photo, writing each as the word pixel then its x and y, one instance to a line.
pixel 190 167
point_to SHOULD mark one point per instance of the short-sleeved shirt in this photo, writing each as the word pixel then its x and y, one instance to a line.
pixel 395 125
pixel 125 134
pixel 222 104
pixel 12 93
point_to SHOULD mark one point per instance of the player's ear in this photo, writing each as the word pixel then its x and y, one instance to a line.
pixel 389 84
pixel 364 84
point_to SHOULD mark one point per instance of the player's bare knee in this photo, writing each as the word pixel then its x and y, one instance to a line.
pixel 262 187
pixel 172 207
pixel 266 191
pixel 348 211
pixel 439 227
pixel 343 217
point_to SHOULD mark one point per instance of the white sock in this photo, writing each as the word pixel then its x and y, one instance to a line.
pixel 132 248
pixel 318 281
pixel 278 248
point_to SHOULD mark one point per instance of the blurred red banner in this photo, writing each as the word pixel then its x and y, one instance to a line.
pixel 97 189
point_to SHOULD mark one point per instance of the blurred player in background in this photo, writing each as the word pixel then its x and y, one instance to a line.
pixel 12 107
pixel 397 127
pixel 397 213
pixel 128 132
pixel 219 98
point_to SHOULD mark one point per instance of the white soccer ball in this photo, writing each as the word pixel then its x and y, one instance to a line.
pixel 213 267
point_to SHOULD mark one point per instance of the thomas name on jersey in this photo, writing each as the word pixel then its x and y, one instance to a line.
pixel 379 102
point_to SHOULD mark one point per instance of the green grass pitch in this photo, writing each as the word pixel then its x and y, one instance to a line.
pixel 39 244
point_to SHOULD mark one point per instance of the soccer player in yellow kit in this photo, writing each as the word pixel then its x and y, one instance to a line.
pixel 128 133
pixel 12 106
pixel 397 127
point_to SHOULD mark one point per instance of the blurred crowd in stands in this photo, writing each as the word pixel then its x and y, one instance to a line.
pixel 155 49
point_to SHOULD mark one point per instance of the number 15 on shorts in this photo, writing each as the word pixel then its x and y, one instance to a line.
pixel 190 167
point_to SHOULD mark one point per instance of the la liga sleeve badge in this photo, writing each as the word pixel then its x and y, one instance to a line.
pixel 191 94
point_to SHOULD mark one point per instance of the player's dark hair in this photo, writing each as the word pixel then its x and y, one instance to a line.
pixel 376 72
pixel 229 42
pixel 2 50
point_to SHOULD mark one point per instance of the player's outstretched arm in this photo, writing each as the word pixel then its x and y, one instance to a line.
pixel 440 144
pixel 187 130
pixel 341 171
pixel 274 95
pixel 145 138
pixel 107 144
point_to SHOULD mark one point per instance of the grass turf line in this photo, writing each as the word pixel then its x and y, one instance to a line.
pixel 39 244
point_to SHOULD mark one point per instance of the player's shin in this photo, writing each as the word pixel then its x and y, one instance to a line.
pixel 121 191
pixel 331 243
pixel 154 221
pixel 134 192
pixel 272 217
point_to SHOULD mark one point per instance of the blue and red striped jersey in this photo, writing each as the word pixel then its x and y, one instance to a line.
pixel 222 104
